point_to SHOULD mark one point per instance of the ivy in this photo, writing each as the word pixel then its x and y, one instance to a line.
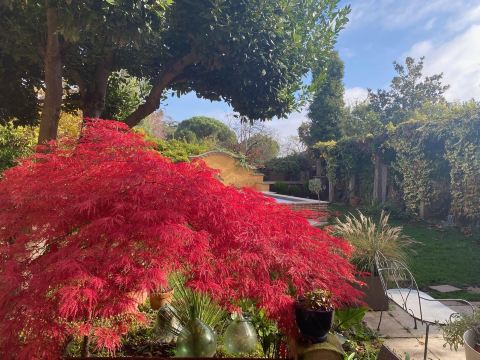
pixel 463 154
pixel 412 167
pixel 434 159
pixel 345 158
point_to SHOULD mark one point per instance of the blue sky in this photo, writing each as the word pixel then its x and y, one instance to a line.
pixel 446 32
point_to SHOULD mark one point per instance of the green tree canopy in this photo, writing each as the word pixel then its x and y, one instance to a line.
pixel 199 128
pixel 124 94
pixel 361 121
pixel 251 54
pixel 327 109
pixel 260 148
pixel 18 97
pixel 408 91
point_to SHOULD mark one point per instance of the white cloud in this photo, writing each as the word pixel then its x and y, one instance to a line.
pixel 458 59
pixel 430 24
pixel 285 128
pixel 392 14
pixel 469 16
pixel 355 95
pixel 420 49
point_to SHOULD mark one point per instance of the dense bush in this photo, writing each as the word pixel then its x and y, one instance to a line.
pixel 15 142
pixel 200 128
pixel 299 190
pixel 124 94
pixel 93 223
pixel 287 168
pixel 180 150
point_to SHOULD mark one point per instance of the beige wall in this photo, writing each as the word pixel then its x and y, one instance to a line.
pixel 232 172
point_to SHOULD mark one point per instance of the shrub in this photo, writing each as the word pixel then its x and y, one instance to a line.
pixel 86 227
pixel 288 167
pixel 180 150
pixel 15 142
pixel 200 128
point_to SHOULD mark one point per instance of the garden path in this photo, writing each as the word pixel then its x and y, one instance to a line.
pixel 397 330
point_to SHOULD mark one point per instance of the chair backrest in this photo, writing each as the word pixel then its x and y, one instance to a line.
pixel 398 283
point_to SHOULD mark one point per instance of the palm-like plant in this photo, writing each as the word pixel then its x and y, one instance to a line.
pixel 369 238
pixel 188 305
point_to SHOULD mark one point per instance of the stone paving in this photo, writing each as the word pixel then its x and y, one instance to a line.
pixel 397 330
pixel 444 288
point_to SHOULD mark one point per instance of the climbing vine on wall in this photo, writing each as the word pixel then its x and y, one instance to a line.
pixel 434 161
pixel 346 158
pixel 412 166
pixel 462 145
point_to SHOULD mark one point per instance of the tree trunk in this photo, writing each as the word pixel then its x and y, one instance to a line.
pixel 380 180
pixel 384 177
pixel 351 186
pixel 152 102
pixel 331 190
pixel 85 347
pixel 53 81
pixel 318 167
pixel 93 97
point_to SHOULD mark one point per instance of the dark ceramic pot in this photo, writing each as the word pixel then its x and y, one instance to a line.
pixel 314 325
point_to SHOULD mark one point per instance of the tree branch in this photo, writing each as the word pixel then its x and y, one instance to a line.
pixel 153 100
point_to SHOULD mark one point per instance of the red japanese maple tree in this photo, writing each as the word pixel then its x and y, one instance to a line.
pixel 90 224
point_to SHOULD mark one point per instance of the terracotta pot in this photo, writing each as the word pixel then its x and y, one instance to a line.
pixel 470 341
pixel 157 300
pixel 375 296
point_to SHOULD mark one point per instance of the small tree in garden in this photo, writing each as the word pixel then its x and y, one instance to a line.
pixel 87 227
pixel 316 186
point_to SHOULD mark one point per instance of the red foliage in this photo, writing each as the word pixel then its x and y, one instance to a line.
pixel 84 228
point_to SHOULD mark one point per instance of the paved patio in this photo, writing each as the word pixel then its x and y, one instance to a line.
pixel 397 330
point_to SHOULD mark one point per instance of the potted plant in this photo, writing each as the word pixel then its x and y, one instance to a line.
pixel 368 238
pixel 465 330
pixel 161 297
pixel 314 315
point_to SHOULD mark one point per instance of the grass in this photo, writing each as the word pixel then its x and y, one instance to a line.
pixel 445 256
pixel 442 256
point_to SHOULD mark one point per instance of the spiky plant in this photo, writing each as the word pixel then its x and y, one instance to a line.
pixel 187 305
pixel 369 237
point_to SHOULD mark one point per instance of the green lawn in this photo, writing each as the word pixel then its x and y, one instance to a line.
pixel 442 256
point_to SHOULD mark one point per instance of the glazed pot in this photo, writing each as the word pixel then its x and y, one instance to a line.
pixel 314 325
pixel 159 299
pixel 470 343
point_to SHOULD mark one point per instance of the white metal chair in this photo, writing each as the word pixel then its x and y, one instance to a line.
pixel 401 288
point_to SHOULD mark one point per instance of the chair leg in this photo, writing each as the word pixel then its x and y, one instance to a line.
pixel 426 342
pixel 415 323
pixel 378 327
